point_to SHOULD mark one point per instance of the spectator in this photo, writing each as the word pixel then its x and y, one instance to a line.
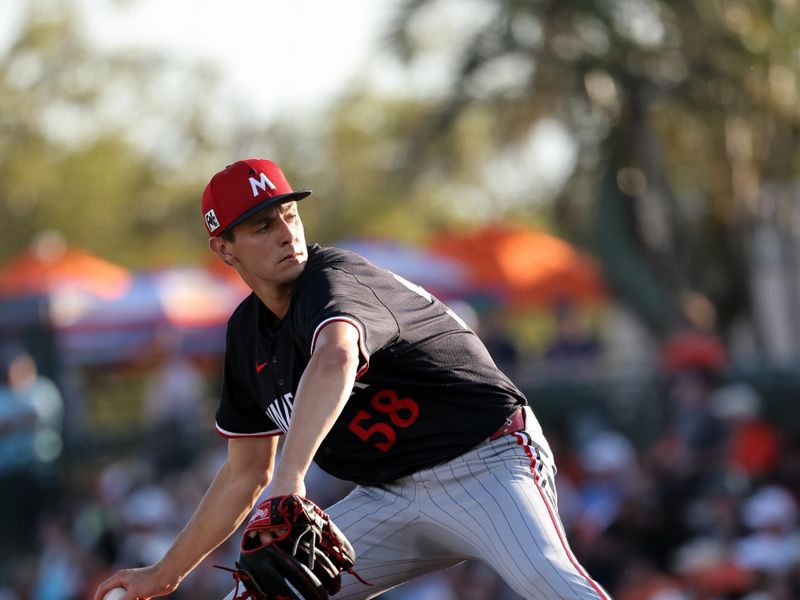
pixel 501 347
pixel 18 421
pixel 643 581
pixel 707 571
pixel 19 498
pixel 695 346
pixel 42 394
pixel 173 399
pixel 700 434
pixel 754 443
pixel 59 573
pixel 575 349
pixel 772 545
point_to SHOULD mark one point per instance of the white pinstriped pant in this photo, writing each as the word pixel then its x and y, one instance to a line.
pixel 496 503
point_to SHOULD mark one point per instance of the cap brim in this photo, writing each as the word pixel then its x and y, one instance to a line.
pixel 264 204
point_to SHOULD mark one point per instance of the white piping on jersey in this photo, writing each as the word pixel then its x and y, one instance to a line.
pixel 361 347
pixel 358 386
pixel 232 434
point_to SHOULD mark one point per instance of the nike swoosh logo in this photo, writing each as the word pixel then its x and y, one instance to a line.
pixel 260 367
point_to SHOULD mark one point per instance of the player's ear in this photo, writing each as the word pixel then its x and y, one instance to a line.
pixel 221 248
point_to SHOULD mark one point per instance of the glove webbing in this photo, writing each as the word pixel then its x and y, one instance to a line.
pixel 328 541
pixel 240 575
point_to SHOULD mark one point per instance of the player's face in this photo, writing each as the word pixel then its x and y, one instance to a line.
pixel 271 246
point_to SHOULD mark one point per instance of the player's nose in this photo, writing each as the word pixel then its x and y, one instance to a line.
pixel 285 230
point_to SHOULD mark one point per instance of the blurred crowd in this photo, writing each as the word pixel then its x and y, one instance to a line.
pixel 708 511
pixel 705 510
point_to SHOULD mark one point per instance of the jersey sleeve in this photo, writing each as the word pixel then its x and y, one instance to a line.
pixel 331 295
pixel 239 414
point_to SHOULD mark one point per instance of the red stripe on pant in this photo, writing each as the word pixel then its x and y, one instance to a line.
pixel 554 519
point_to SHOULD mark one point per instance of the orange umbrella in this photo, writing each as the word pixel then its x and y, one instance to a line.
pixel 226 274
pixel 523 266
pixel 196 297
pixel 48 268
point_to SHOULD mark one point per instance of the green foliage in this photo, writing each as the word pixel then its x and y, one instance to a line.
pixel 676 113
pixel 88 147
pixel 368 185
pixel 689 107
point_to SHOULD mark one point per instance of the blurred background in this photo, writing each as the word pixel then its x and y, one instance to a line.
pixel 606 191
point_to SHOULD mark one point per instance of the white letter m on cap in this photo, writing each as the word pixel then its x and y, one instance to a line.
pixel 261 185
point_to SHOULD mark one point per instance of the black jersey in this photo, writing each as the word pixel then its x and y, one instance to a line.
pixel 426 390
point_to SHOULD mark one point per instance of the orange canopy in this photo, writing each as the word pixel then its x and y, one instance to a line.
pixel 40 271
pixel 524 266
pixel 198 297
pixel 226 274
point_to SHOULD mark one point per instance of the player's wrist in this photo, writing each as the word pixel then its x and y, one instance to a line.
pixel 168 574
pixel 286 485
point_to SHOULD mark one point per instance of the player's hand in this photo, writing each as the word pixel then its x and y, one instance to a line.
pixel 281 486
pixel 144 583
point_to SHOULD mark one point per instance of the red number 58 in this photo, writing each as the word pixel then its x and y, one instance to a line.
pixel 402 412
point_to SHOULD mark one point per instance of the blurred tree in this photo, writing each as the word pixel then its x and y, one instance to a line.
pixel 362 174
pixel 107 148
pixel 355 157
pixel 678 113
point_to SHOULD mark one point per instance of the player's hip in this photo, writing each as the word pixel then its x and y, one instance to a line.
pixel 516 451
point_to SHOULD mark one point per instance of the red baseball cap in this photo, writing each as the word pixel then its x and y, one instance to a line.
pixel 243 189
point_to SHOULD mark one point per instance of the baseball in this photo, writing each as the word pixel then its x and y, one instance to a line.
pixel 114 594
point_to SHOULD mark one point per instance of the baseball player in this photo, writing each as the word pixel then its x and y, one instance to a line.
pixel 382 385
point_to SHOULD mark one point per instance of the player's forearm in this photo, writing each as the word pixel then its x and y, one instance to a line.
pixel 323 391
pixel 225 505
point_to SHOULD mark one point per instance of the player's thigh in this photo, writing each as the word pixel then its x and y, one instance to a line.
pixel 499 498
pixel 388 538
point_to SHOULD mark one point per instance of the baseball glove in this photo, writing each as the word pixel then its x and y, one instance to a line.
pixel 302 558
